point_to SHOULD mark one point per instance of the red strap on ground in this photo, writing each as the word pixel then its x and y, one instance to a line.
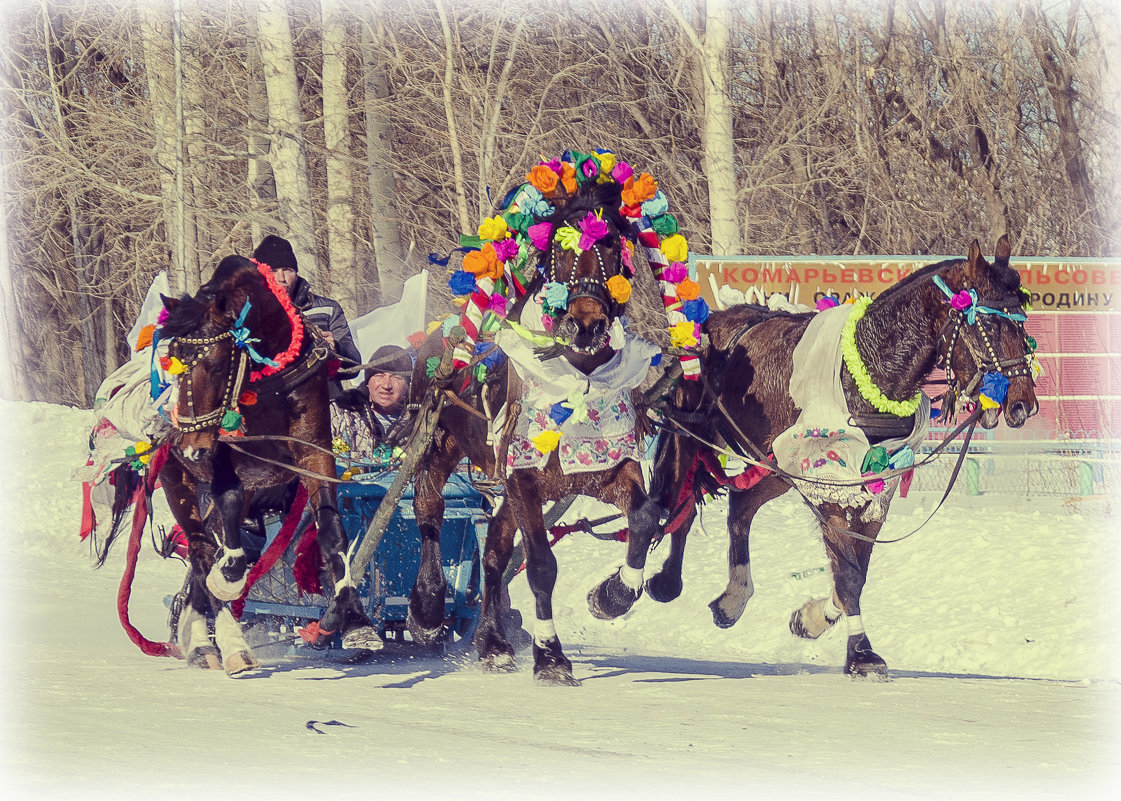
pixel 277 547
pixel 124 592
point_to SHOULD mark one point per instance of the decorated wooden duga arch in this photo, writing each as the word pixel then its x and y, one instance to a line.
pixel 540 398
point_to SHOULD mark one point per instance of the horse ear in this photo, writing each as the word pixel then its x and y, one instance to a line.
pixel 975 264
pixel 169 303
pixel 1003 249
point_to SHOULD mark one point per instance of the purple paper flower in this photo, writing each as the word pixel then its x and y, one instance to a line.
pixel 592 230
pixel 506 249
pixel 962 300
pixel 675 273
pixel 622 172
pixel 539 234
pixel 498 305
pixel 589 168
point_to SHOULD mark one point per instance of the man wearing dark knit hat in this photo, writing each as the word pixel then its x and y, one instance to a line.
pixel 361 417
pixel 322 312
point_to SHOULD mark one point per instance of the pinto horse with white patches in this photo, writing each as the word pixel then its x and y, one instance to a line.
pixel 251 366
pixel 965 315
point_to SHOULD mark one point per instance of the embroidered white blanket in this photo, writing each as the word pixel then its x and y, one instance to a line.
pixel 602 438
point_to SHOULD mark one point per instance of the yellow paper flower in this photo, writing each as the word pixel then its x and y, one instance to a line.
pixel 493 228
pixel 546 441
pixel 619 287
pixel 676 248
pixel 176 367
pixel 681 334
pixel 988 403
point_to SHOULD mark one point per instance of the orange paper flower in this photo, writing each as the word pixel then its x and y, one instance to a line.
pixel 144 339
pixel 568 177
pixel 484 263
pixel 543 179
pixel 688 290
pixel 637 190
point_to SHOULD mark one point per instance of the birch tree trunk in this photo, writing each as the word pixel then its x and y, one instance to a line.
pixel 716 128
pixel 259 173
pixel 719 149
pixel 160 37
pixel 13 382
pixel 336 133
pixel 448 85
pixel 385 231
pixel 286 155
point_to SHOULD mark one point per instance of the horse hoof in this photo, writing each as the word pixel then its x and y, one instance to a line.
pixel 664 588
pixel 720 618
pixel 363 638
pixel 241 662
pixel 612 598
pixel 809 621
pixel 498 663
pixel 205 658
pixel 862 662
pixel 556 676
pixel 423 635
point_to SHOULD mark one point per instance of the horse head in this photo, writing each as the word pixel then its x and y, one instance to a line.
pixel 213 333
pixel 987 353
pixel 585 263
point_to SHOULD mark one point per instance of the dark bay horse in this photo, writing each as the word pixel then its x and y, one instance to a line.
pixel 244 350
pixel 928 319
pixel 468 428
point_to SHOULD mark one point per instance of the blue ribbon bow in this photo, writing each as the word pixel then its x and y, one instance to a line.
pixel 243 340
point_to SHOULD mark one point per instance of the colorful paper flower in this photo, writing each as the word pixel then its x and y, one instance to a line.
pixel 688 290
pixel 675 273
pixel 622 171
pixel 568 177
pixel 826 302
pixel 619 288
pixel 539 235
pixel 507 249
pixel 546 441
pixel 592 229
pixel 556 295
pixel 664 224
pixel 568 238
pixel 498 305
pixel 462 282
pixel 483 263
pixel 675 248
pixel 656 206
pixel 637 190
pixel 493 228
pixel 682 334
pixel 695 310
pixel 543 178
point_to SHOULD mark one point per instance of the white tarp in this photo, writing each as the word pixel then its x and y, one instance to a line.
pixel 392 324
pixel 150 308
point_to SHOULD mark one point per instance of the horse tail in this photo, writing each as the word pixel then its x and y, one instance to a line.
pixel 125 482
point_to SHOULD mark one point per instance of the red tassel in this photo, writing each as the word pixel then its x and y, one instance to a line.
pixel 308 562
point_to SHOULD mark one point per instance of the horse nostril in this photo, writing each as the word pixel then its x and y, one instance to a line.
pixel 1018 414
pixel 597 328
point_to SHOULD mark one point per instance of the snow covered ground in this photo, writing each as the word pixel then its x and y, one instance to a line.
pixel 998 622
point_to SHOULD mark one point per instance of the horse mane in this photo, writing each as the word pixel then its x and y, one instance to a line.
pixel 189 314
pixel 1004 276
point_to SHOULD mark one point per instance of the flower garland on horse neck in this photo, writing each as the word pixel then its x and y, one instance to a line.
pixel 497 265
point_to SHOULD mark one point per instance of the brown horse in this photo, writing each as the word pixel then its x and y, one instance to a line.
pixel 467 427
pixel 928 319
pixel 246 351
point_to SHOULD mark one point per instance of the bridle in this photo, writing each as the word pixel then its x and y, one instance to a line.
pixel 594 287
pixel 235 377
pixel 965 325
